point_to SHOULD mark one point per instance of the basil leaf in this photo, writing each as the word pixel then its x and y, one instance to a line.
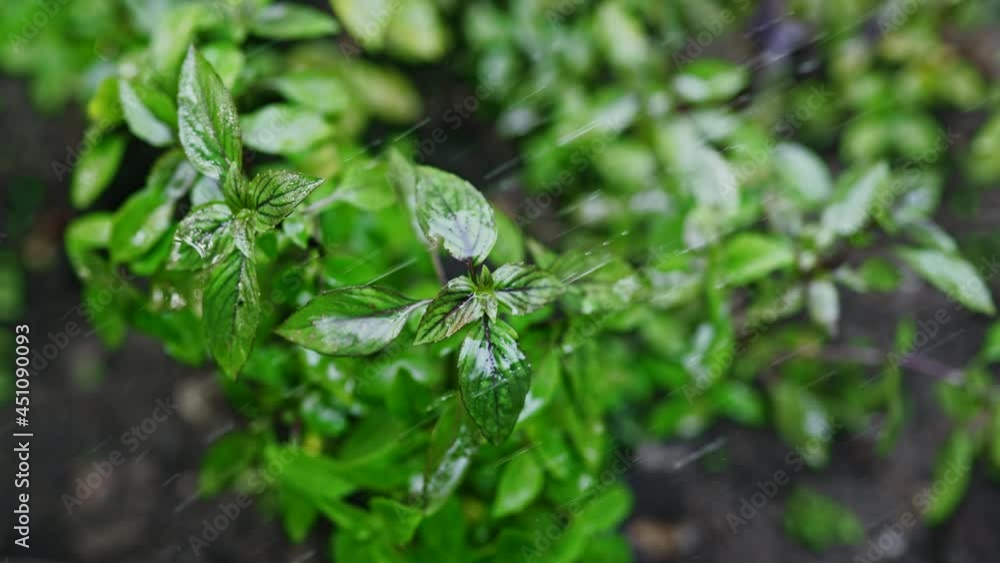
pixel 202 238
pixel 748 257
pixel 146 216
pixel 322 91
pixel 494 377
pixel 244 232
pixel 284 129
pixel 520 483
pixel 232 311
pixel 452 445
pixel 954 276
pixel 952 474
pixel 96 168
pixel 207 119
pixel 853 201
pixel 525 289
pixel 139 224
pixel 365 185
pixel 803 173
pixel 274 194
pixel 824 305
pixel 455 306
pixel 290 21
pixel 452 212
pixel 226 59
pixel 365 20
pixel 416 32
pixel 350 321
pixel 149 113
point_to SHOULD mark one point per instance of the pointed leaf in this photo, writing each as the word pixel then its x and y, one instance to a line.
pixel 525 289
pixel 232 311
pixel 149 113
pixel 274 194
pixel 951 274
pixel 202 238
pixel 452 212
pixel 854 200
pixel 494 377
pixel 365 20
pixel 350 321
pixel 747 257
pixel 284 129
pixel 244 232
pixel 452 445
pixel 207 119
pixel 520 483
pixel 96 168
pixel 802 172
pixel 291 21
pixel 455 306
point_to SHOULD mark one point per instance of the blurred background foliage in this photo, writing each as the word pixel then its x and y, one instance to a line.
pixel 714 177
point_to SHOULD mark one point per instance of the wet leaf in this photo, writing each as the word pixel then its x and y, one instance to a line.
pixel 525 289
pixel 453 213
pixel 232 311
pixel 207 119
pixel 350 321
pixel 494 377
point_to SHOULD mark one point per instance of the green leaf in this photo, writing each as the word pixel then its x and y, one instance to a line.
pixel 824 304
pixel 952 275
pixel 96 168
pixel 365 185
pixel 819 522
pixel 232 311
pixel 802 421
pixel 173 35
pixel 284 129
pixel 224 460
pixel 207 119
pixel 452 445
pixel 319 90
pixel 952 473
pixel 416 32
pixel 291 21
pixel 748 257
pixel 149 113
pixel 620 35
pixel 226 59
pixel 520 483
pixel 453 213
pixel 147 215
pixel 245 232
pixel 399 522
pixel 202 238
pixel 274 194
pixel 365 20
pixel 525 289
pixel 803 173
pixel 317 478
pixel 456 305
pixel 139 224
pixel 710 80
pixel 350 321
pixel 299 514
pixel 990 350
pixel 494 377
pixel 854 200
